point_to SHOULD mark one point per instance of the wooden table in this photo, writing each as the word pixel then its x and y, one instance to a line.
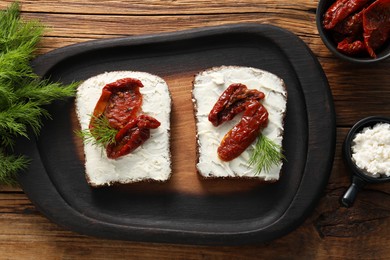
pixel 331 231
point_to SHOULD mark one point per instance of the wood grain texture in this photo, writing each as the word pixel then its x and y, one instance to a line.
pixel 160 7
pixel 330 231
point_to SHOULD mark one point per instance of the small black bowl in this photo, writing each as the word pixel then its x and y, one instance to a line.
pixel 359 176
pixel 327 38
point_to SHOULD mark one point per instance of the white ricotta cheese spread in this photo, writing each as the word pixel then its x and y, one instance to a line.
pixel 208 86
pixel 151 161
pixel 371 150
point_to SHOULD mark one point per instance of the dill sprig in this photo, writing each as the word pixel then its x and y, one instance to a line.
pixel 265 154
pixel 22 92
pixel 17 118
pixel 43 92
pixel 10 166
pixel 15 33
pixel 101 134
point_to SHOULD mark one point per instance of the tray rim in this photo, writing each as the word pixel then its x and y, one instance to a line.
pixel 51 58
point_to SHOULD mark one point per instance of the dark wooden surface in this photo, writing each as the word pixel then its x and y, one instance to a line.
pixel 360 232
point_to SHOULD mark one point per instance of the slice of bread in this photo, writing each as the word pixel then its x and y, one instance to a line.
pixel 208 85
pixel 152 160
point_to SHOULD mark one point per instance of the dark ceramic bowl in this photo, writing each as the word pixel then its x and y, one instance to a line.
pixel 359 176
pixel 326 36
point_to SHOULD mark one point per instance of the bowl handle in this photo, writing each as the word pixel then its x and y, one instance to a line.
pixel 350 195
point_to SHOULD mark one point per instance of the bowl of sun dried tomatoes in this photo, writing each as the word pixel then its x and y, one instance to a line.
pixel 355 30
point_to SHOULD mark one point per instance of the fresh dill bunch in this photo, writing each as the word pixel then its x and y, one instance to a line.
pixel 22 93
pixel 10 165
pixel 101 134
pixel 265 154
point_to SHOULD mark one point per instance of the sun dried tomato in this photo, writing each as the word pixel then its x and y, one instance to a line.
pixel 235 99
pixel 119 103
pixel 245 132
pixel 131 136
pixel 352 26
pixel 341 9
pixel 376 25
pixel 359 26
pixel 350 47
pixel 231 102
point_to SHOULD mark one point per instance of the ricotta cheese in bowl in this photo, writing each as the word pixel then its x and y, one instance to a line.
pixel 371 150
pixel 366 152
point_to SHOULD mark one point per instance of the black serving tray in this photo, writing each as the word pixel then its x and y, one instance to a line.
pixel 55 180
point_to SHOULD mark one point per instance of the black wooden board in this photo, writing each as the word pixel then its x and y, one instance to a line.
pixel 55 180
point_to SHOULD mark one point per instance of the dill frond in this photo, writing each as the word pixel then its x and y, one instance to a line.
pixel 14 66
pixel 7 96
pixel 15 33
pixel 43 92
pixel 265 154
pixel 10 166
pixel 16 119
pixel 101 134
pixel 7 139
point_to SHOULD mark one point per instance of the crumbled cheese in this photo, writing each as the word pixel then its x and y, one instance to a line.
pixel 371 150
